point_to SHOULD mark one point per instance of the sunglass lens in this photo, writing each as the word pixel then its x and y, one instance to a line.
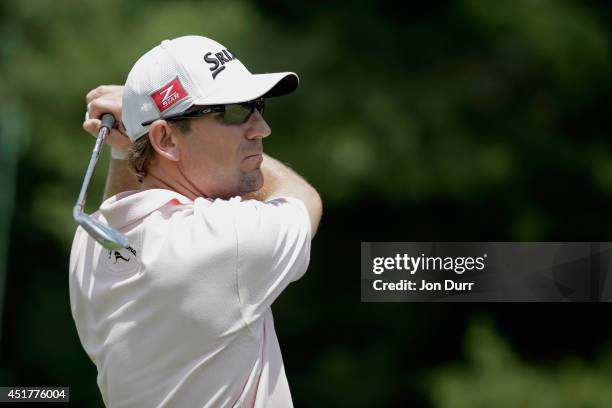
pixel 239 113
pixel 236 114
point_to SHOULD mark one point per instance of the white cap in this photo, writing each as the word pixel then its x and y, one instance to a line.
pixel 192 70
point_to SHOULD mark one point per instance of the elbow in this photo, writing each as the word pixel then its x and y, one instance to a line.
pixel 316 211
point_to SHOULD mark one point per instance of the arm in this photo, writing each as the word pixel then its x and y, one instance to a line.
pixel 107 99
pixel 119 178
pixel 281 181
pixel 273 238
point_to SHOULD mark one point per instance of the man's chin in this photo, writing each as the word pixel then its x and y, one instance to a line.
pixel 251 181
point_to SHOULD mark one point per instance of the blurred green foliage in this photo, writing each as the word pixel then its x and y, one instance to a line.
pixel 450 120
pixel 494 376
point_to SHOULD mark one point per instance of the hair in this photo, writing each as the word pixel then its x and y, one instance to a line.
pixel 141 152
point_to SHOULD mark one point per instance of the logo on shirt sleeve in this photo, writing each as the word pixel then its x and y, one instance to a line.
pixel 169 95
pixel 119 256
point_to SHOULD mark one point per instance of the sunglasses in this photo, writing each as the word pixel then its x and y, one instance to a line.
pixel 233 113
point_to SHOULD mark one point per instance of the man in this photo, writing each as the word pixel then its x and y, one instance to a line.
pixel 217 230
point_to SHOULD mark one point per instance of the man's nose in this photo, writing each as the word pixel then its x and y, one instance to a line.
pixel 257 126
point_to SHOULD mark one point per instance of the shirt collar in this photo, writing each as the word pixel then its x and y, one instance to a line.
pixel 129 206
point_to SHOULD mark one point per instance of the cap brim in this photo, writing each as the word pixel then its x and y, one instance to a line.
pixel 252 87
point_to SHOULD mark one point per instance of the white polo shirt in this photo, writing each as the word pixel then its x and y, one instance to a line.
pixel 182 317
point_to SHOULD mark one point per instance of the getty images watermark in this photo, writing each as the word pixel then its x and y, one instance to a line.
pixel 485 271
pixel 411 265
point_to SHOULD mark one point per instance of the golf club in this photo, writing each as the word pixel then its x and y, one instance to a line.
pixel 108 237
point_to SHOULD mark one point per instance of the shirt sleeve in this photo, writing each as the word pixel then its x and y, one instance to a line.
pixel 273 250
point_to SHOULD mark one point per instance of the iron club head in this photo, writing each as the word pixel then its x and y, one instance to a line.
pixel 107 236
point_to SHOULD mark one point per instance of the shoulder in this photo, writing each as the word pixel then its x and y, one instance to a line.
pixel 280 209
pixel 264 227
pixel 256 224
pixel 252 215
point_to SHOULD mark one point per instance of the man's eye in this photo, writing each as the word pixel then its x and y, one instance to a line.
pixel 219 116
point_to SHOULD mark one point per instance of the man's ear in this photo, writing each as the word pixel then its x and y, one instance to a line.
pixel 162 138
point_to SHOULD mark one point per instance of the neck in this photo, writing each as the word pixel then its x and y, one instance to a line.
pixel 173 180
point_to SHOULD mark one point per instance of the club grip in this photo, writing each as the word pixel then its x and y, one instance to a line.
pixel 108 121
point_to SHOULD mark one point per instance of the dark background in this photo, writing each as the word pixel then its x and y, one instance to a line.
pixel 464 120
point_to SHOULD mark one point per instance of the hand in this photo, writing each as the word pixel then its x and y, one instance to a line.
pixel 107 99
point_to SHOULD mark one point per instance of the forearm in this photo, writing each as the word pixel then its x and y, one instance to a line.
pixel 275 175
pixel 119 178
pixel 108 99
pixel 281 181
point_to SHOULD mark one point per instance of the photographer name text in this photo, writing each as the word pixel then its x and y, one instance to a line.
pixel 404 284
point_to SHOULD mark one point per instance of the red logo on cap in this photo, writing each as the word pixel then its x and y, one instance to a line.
pixel 169 95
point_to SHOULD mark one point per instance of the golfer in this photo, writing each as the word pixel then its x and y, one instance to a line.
pixel 216 228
